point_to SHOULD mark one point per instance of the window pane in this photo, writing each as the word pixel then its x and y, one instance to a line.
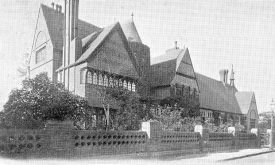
pixel 111 82
pixel 133 87
pixel 115 82
pixel 40 55
pixel 129 86
pixel 120 83
pixel 100 79
pixel 89 78
pixel 94 78
pixel 125 84
pixel 105 81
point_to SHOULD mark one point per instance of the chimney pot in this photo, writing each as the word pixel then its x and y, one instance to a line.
pixel 52 4
pixel 223 76
pixel 57 7
pixel 60 8
pixel 176 45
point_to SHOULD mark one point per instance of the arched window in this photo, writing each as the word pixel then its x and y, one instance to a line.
pixel 120 83
pixel 129 86
pixel 111 83
pixel 125 84
pixel 105 81
pixel 89 77
pixel 115 82
pixel 94 78
pixel 100 79
pixel 133 87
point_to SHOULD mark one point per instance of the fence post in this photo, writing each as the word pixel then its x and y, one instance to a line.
pixel 154 131
pixel 204 136
pixel 60 137
pixel 235 140
pixel 258 138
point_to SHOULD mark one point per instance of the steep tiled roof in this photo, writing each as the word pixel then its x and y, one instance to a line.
pixel 54 21
pixel 214 95
pixel 165 67
pixel 244 100
pixel 130 31
pixel 171 54
pixel 163 73
pixel 96 42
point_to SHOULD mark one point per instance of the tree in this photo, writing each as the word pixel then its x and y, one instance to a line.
pixel 171 118
pixel 24 68
pixel 168 117
pixel 40 100
pixel 123 109
pixel 264 121
pixel 187 105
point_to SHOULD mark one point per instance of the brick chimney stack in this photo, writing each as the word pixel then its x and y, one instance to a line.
pixel 72 44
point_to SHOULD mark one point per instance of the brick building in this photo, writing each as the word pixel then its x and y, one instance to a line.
pixel 86 58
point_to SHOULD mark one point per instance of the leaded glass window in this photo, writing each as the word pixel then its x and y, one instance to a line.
pixel 94 78
pixel 100 79
pixel 89 77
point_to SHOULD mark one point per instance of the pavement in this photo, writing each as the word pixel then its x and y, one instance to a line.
pixel 245 156
pixel 228 156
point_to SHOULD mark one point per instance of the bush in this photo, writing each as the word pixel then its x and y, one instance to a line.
pixel 40 100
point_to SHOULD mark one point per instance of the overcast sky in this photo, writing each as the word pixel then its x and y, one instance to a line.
pixel 218 33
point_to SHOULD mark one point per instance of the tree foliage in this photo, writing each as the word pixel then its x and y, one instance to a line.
pixel 40 100
pixel 171 118
pixel 187 105
pixel 128 111
pixel 264 121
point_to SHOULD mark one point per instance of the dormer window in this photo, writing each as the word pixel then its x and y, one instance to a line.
pixel 40 55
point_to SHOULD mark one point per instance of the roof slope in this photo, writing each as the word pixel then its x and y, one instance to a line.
pixel 55 25
pixel 96 42
pixel 130 31
pixel 244 100
pixel 215 95
pixel 163 73
pixel 165 67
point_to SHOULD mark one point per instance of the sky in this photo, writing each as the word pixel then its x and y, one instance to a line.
pixel 218 33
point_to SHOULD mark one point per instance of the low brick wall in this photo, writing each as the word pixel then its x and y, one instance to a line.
pixel 246 140
pixel 170 140
pixel 108 143
pixel 62 140
pixel 23 142
pixel 219 142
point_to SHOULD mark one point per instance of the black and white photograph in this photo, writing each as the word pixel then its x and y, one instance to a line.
pixel 137 82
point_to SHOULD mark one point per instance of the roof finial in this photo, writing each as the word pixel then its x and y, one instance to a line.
pixel 132 15
pixel 232 77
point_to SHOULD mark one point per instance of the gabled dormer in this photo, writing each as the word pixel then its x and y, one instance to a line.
pixel 173 68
